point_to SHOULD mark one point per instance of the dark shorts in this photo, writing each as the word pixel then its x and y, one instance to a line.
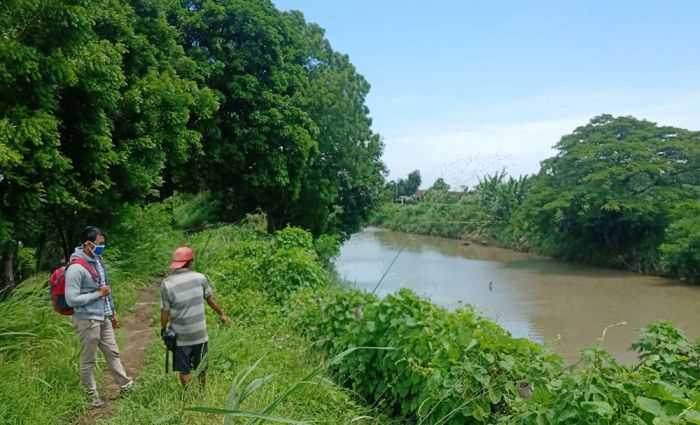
pixel 188 357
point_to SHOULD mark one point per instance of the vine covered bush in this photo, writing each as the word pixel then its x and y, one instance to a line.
pixel 240 257
pixel 443 367
pixel 454 367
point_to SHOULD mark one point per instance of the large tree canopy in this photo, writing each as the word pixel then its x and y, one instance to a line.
pixel 345 178
pixel 292 136
pixel 261 139
pixel 117 102
pixel 95 102
pixel 609 191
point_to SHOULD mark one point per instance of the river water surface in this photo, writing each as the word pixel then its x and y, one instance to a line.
pixel 562 305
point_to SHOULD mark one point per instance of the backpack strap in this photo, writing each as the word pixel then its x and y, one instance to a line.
pixel 87 267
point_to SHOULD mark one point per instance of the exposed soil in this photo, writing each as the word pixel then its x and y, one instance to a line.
pixel 136 327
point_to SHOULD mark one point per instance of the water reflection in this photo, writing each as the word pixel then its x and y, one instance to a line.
pixel 532 296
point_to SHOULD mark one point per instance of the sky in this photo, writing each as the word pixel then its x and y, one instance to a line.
pixel 463 88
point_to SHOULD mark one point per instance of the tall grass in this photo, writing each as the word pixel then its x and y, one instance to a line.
pixel 39 353
pixel 39 381
pixel 39 349
pixel 238 261
pixel 263 338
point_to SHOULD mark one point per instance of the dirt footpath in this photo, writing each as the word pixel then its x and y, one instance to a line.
pixel 136 325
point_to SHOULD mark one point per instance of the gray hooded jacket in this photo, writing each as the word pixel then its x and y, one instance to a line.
pixel 82 290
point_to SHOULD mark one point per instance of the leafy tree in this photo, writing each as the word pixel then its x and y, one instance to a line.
pixel 145 128
pixel 292 137
pixel 345 179
pixel 440 185
pixel 680 253
pixel 405 187
pixel 161 100
pixel 47 48
pixel 609 189
pixel 413 182
pixel 92 100
pixel 439 192
pixel 260 142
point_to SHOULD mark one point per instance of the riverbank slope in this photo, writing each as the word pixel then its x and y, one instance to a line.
pixel 298 340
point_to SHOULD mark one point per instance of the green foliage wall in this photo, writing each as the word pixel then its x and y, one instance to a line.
pixel 456 367
pixel 108 104
pixel 438 366
pixel 611 187
pixel 680 253
pixel 292 136
pixel 95 102
pixel 621 192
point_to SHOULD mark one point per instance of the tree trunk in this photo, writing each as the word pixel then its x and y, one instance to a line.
pixel 40 252
pixel 65 243
pixel 277 219
pixel 271 225
pixel 168 188
pixel 8 273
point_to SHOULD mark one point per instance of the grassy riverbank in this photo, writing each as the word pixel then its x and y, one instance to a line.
pixel 39 351
pixel 246 267
pixel 420 363
pixel 476 218
pixel 620 192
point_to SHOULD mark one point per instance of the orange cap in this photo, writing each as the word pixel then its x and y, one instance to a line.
pixel 181 256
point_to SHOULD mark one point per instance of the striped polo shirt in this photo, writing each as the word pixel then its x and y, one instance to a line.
pixel 183 293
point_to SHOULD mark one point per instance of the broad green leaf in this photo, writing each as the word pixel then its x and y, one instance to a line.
pixel 600 408
pixel 649 405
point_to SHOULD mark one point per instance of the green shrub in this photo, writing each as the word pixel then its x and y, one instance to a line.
pixel 239 257
pixel 143 243
pixel 456 367
pixel 667 352
pixel 327 247
pixel 662 389
pixel 384 212
pixel 194 210
pixel 447 367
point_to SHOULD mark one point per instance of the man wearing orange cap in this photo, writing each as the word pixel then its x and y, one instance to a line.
pixel 181 303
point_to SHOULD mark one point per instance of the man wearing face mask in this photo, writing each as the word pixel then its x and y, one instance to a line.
pixel 89 292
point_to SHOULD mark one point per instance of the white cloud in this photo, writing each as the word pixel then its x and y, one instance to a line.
pixel 519 134
pixel 461 155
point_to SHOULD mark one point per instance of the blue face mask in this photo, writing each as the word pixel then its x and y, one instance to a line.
pixel 98 250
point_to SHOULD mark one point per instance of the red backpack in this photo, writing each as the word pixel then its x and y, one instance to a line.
pixel 57 286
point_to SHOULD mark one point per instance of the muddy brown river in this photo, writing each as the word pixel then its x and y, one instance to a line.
pixel 565 306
